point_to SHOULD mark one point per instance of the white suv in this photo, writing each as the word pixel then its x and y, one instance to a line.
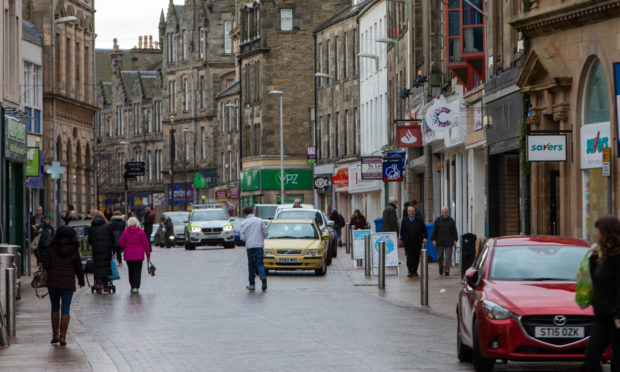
pixel 209 226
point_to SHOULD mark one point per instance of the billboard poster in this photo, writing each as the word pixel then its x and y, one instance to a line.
pixel 391 248
pixel 359 253
pixel 372 168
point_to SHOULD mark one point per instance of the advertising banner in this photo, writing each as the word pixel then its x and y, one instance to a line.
pixel 391 250
pixel 205 180
pixel 409 136
pixel 294 179
pixel 341 178
pixel 359 253
pixel 221 194
pixel 159 199
pixel 32 162
pixel 546 148
pixel 372 168
pixel 250 181
pixel 594 138
pixel 234 193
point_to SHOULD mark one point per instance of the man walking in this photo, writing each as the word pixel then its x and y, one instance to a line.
pixel 390 219
pixel 148 224
pixel 413 234
pixel 338 224
pixel 253 231
pixel 444 238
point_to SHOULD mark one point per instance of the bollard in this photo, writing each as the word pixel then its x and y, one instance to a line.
pixel 424 278
pixel 350 238
pixel 4 334
pixel 348 243
pixel 367 256
pixel 10 300
pixel 382 265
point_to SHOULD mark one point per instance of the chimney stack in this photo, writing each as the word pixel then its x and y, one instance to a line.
pixel 115 47
pixel 150 41
pixel 139 42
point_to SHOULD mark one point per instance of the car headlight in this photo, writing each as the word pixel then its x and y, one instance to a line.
pixel 312 252
pixel 227 228
pixel 195 229
pixel 267 252
pixel 494 311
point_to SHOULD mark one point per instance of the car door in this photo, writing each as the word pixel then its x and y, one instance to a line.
pixel 470 296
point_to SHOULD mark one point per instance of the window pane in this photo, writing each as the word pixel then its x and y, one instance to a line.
pixel 472 40
pixel 454 4
pixel 455 50
pixel 28 111
pixel 286 19
pixel 596 105
pixel 470 15
pixel 455 24
pixel 37 121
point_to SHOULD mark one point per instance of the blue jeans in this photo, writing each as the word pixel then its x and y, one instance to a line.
pixel 339 234
pixel 58 296
pixel 255 262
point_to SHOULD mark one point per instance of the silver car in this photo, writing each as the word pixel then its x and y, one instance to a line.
pixel 209 226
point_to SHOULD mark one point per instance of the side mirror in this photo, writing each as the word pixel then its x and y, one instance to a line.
pixel 326 237
pixel 471 277
pixel 331 223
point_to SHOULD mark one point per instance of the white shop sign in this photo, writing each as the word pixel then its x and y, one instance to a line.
pixel 594 138
pixel 391 248
pixel 546 148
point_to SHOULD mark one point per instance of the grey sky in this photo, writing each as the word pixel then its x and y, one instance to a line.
pixel 125 20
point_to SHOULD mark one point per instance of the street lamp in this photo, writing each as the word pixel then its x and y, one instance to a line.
pixel 388 40
pixel 327 76
pixel 173 152
pixel 231 106
pixel 185 131
pixel 281 94
pixel 125 176
pixel 372 56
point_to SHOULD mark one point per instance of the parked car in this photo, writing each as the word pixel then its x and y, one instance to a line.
pixel 296 245
pixel 518 303
pixel 209 226
pixel 179 218
pixel 266 212
pixel 236 223
pixel 325 225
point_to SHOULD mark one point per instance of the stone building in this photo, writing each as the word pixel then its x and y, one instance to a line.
pixel 69 105
pixel 276 54
pixel 227 145
pixel 570 76
pixel 130 128
pixel 198 64
pixel 337 110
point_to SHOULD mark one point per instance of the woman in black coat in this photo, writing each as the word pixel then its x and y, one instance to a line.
pixel 63 264
pixel 605 272
pixel 101 239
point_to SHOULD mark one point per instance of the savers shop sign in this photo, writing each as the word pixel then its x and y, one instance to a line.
pixel 294 179
pixel 546 148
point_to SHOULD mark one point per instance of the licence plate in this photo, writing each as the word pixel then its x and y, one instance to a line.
pixel 288 259
pixel 559 332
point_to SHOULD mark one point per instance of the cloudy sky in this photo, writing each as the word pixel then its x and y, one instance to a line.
pixel 125 20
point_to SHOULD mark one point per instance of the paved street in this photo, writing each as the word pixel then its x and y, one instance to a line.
pixel 196 315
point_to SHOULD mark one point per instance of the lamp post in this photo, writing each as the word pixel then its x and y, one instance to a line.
pixel 387 40
pixel 185 131
pixel 371 56
pixel 281 94
pixel 173 152
pixel 54 22
pixel 233 106
pixel 126 182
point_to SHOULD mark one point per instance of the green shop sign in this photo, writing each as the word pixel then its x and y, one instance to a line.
pixel 32 162
pixel 14 140
pixel 294 179
pixel 205 180
pixel 250 181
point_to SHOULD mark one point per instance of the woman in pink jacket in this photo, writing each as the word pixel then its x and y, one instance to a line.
pixel 135 244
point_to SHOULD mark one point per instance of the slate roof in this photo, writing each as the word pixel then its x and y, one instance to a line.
pixel 230 91
pixel 31 33
pixel 348 12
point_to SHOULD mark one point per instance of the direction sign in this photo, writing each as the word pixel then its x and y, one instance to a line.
pixel 134 168
pixel 135 164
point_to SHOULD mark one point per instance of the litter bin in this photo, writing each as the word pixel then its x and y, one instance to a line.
pixel 432 250
pixel 379 224
pixel 468 251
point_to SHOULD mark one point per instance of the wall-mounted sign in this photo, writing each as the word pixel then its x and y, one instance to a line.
pixel 617 89
pixel 478 116
pixel 594 138
pixel 546 148
pixel 294 179
pixel 393 166
pixel 14 140
pixel 234 193
pixel 372 168
pixel 32 162
pixel 221 194
pixel 311 155
pixel 321 182
pixel 341 178
pixel 409 136
pixel 205 180
pixel 250 181
pixel 607 162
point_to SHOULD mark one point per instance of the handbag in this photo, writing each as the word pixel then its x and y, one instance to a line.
pixel 39 280
pixel 584 291
pixel 151 269
pixel 35 242
pixel 115 274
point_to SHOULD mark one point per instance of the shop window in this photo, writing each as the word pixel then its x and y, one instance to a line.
pixel 596 101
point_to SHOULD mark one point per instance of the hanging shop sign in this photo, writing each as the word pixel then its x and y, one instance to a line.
pixel 14 140
pixel 546 148
pixel 294 179
pixel 341 178
pixel 321 182
pixel 409 136
pixel 393 166
pixel 250 181
pixel 205 180
pixel 594 138
pixel 32 162
pixel 311 155
pixel 617 88
pixel 221 194
pixel 234 193
pixel 372 168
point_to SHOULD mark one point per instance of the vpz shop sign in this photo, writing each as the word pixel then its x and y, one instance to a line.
pixel 546 148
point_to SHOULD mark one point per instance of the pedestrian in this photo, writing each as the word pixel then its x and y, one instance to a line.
pixel 168 229
pixel 413 234
pixel 338 224
pixel 135 245
pixel 413 203
pixel 118 226
pixel 297 203
pixel 35 219
pixel 148 223
pixel 67 217
pixel 444 237
pixel 101 239
pixel 605 272
pixel 358 221
pixel 253 231
pixel 390 219
pixel 63 265
pixel 107 213
pixel 46 231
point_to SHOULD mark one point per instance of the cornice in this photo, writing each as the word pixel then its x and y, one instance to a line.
pixel 547 21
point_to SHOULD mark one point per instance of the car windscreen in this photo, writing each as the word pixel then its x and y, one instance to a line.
pixel 265 211
pixel 536 263
pixel 300 215
pixel 178 219
pixel 293 230
pixel 209 215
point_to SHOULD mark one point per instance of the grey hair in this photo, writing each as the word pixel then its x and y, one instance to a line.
pixel 393 200
pixel 444 208
pixel 133 221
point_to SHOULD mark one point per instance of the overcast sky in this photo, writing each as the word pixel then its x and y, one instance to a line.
pixel 125 20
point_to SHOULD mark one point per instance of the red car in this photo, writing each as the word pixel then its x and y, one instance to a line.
pixel 518 303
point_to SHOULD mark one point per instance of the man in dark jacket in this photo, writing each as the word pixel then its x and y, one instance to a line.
pixel 338 224
pixel 46 229
pixel 413 203
pixel 390 219
pixel 444 238
pixel 148 224
pixel 413 234
pixel 101 239
pixel 118 226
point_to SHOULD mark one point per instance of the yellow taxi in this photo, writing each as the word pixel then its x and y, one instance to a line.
pixel 295 245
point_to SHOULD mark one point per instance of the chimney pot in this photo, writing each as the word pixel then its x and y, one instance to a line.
pixel 150 41
pixel 140 42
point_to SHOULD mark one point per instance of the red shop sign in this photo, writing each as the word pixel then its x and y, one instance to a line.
pixel 409 136
pixel 341 178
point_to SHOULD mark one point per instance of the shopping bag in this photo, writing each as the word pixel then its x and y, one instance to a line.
pixel 584 291
pixel 115 275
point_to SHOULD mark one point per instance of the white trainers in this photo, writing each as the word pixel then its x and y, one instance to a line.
pixel 134 290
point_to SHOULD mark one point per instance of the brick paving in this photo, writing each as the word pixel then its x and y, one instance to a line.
pixel 196 315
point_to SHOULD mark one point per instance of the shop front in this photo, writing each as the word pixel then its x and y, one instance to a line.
pixel 264 186
pixel 364 192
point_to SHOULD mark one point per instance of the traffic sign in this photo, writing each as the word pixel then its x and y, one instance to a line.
pixel 606 162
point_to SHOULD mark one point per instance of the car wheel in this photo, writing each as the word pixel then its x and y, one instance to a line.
pixel 322 270
pixel 335 249
pixel 328 259
pixel 463 352
pixel 481 364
